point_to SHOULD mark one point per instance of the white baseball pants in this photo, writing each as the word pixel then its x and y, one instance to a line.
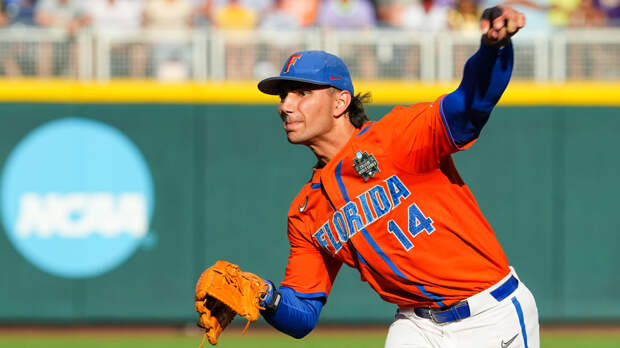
pixel 509 323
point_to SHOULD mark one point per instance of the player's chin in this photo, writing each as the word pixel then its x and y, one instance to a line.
pixel 295 138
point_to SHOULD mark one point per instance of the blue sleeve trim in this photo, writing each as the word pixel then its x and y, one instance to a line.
pixel 306 295
pixel 365 129
pixel 485 78
pixel 315 186
pixel 294 316
pixel 447 125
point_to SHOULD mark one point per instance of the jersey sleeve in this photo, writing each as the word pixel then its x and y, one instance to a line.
pixel 420 136
pixel 310 272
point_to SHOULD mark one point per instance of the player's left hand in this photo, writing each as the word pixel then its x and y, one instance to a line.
pixel 499 24
pixel 222 292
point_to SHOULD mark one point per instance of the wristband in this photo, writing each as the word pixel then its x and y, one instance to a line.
pixel 271 298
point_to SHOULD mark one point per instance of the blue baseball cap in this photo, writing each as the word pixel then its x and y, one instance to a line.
pixel 315 67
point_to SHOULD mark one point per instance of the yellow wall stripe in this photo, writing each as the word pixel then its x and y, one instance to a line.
pixel 383 92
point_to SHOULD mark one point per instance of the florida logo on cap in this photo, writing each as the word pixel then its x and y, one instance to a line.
pixel 291 61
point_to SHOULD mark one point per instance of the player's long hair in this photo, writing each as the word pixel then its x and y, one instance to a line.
pixel 357 114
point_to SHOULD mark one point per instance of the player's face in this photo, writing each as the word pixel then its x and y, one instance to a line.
pixel 307 113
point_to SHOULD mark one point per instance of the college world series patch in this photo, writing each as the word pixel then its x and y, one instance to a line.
pixel 365 165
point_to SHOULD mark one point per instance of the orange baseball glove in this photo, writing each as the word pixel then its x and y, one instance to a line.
pixel 224 291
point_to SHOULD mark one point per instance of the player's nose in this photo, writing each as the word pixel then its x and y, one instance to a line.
pixel 286 104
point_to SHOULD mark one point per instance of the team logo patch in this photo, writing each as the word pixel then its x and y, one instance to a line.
pixel 365 165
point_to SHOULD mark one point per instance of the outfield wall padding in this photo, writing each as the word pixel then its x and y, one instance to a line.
pixel 546 178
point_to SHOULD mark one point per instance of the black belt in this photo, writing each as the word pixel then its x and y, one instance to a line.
pixel 460 310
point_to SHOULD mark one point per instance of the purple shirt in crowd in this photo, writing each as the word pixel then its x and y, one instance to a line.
pixel 346 14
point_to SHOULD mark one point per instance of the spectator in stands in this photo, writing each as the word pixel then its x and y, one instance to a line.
pixel 305 10
pixel 4 47
pixel 18 58
pixel 279 22
pixel 202 12
pixel 587 14
pixel 240 53
pixel 120 21
pixel 234 15
pixel 20 13
pixel 611 9
pixel 610 57
pixel 389 12
pixel 559 12
pixel 205 9
pixel 168 15
pixel 280 17
pixel 425 15
pixel 170 22
pixel 354 15
pixel 63 15
pixel 418 16
pixel 260 6
pixel 536 12
pixel 347 14
pixel 67 18
pixel 465 16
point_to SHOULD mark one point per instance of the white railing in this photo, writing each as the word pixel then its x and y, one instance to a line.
pixel 379 54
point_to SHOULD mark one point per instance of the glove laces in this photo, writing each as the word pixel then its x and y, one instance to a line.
pixel 204 338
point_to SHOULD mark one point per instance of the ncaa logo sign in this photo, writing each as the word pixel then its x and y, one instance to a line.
pixel 77 197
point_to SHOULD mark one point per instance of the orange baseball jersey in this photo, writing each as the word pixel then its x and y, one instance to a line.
pixel 392 205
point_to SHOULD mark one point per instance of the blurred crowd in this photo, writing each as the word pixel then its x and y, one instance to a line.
pixel 118 16
pixel 119 19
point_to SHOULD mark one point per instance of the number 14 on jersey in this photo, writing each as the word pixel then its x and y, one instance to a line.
pixel 417 223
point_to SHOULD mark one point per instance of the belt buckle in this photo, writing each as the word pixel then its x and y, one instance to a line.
pixel 431 312
pixel 454 308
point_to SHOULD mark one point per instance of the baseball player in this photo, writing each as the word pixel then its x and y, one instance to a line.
pixel 385 198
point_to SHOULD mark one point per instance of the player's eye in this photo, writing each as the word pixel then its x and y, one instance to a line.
pixel 304 92
pixel 285 94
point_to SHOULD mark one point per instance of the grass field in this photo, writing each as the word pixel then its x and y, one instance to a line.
pixel 350 338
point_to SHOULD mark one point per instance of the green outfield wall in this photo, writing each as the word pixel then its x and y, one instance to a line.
pixel 222 178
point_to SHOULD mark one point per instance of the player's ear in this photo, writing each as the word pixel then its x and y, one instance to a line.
pixel 342 100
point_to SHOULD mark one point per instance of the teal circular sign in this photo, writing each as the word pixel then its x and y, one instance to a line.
pixel 77 197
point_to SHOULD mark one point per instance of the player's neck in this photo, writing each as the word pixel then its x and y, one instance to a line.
pixel 329 145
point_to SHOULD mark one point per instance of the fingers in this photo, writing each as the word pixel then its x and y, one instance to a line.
pixel 485 24
pixel 488 16
pixel 513 21
pixel 509 19
pixel 511 27
pixel 499 23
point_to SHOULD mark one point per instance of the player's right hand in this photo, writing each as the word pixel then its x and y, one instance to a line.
pixel 499 23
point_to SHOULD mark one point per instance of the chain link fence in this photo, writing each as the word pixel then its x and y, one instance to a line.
pixel 379 54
